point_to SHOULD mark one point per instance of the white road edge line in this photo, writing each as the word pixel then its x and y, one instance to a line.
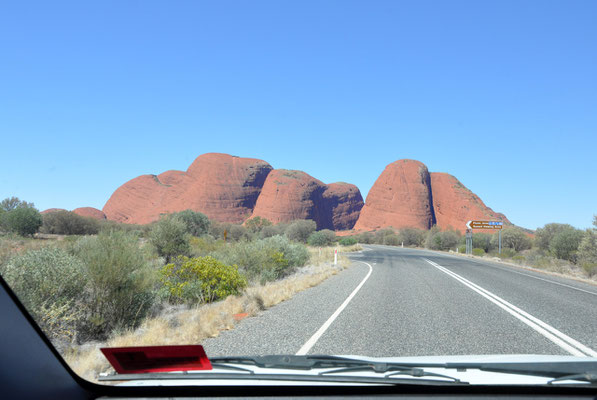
pixel 562 340
pixel 311 342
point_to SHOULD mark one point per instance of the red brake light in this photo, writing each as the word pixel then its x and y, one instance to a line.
pixel 135 360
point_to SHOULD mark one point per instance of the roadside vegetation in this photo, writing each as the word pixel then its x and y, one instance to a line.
pixel 555 247
pixel 182 278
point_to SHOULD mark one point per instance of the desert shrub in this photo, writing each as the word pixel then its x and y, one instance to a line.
pixel 565 243
pixel 300 230
pixel 513 238
pixel 462 248
pixel 380 235
pixel 238 232
pixel 170 238
pixel 482 241
pixel 202 246
pixel 366 238
pixel 120 282
pixel 348 241
pixel 478 252
pixel 272 230
pixel 544 236
pixel 256 224
pixel 197 224
pixel 69 223
pixel 391 240
pixel 201 280
pixel 438 240
pixel 49 282
pixel 411 236
pixel 265 259
pixel 24 221
pixel 322 238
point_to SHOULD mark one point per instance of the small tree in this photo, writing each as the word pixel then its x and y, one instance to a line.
pixel 170 239
pixel 21 220
pixel 324 237
pixel 513 238
pixel 256 224
pixel 301 230
pixel 564 244
pixel 544 236
pixel 12 203
pixel 69 223
pixel 197 223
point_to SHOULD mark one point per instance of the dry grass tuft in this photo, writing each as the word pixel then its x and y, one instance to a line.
pixel 192 326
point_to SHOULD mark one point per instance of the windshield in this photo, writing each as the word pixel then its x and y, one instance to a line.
pixel 408 186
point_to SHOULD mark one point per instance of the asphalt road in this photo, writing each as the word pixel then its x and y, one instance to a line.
pixel 406 302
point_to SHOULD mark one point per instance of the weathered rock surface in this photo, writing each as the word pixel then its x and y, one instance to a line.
pixel 401 197
pixel 344 202
pixel 288 195
pixel 90 212
pixel 407 195
pixel 51 210
pixel 454 204
pixel 223 187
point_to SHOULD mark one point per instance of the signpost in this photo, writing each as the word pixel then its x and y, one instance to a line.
pixel 470 225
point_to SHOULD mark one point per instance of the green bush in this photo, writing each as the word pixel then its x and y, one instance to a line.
pixel 197 224
pixel 513 238
pixel 257 224
pixel 411 236
pixel 565 243
pixel 24 221
pixel 348 241
pixel 438 240
pixel 201 280
pixel 478 252
pixel 366 238
pixel 265 259
pixel 69 223
pixel 49 282
pixel 544 236
pixel 391 240
pixel 202 246
pixel 322 238
pixel 462 249
pixel 300 230
pixel 120 282
pixel 170 238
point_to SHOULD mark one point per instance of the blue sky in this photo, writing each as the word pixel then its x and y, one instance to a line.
pixel 502 95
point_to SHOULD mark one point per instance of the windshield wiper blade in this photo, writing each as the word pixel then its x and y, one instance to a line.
pixel 394 369
pixel 588 377
pixel 292 361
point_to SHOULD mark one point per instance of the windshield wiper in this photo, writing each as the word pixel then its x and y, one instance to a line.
pixel 588 377
pixel 394 370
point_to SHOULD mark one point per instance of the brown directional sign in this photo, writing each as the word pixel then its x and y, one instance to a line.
pixel 484 225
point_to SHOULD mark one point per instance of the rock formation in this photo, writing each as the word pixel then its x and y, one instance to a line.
pixel 454 204
pixel 90 212
pixel 223 187
pixel 400 197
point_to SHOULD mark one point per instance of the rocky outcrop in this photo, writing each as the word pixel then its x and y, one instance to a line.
pixel 51 210
pixel 90 212
pixel 454 204
pixel 400 197
pixel 289 195
pixel 407 195
pixel 344 202
pixel 223 187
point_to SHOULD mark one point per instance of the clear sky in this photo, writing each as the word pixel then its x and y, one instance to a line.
pixel 502 95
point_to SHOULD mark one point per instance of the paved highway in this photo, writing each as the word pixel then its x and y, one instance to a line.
pixel 407 302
